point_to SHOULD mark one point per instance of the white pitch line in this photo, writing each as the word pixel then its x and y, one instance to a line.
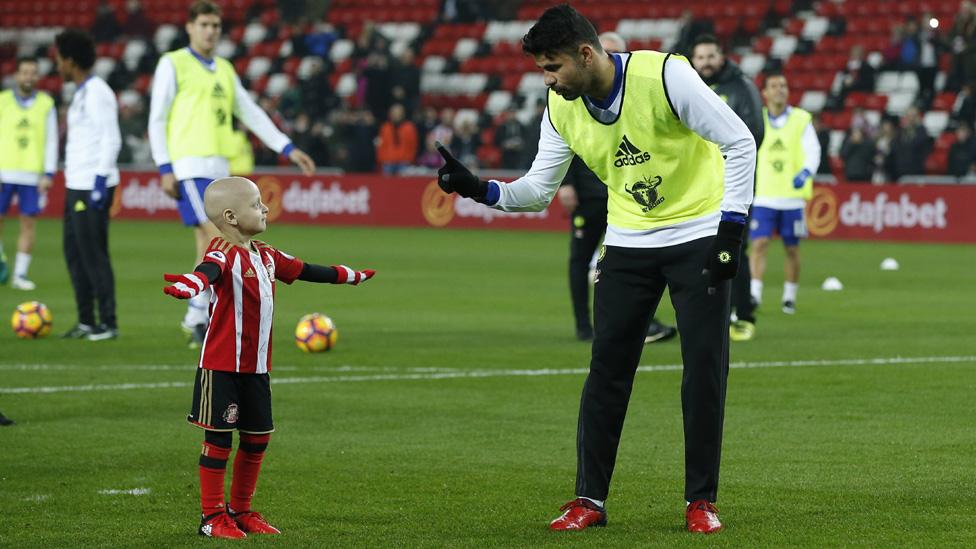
pixel 114 368
pixel 130 492
pixel 473 374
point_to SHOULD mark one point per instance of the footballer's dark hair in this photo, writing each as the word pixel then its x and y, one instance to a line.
pixel 561 29
pixel 76 45
pixel 203 7
pixel 706 39
pixel 773 74
pixel 26 59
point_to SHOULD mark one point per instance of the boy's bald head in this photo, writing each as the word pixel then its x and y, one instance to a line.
pixel 227 193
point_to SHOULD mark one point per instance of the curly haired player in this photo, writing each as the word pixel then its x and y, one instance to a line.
pixel 233 388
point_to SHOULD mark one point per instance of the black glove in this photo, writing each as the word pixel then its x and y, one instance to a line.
pixel 723 259
pixel 453 177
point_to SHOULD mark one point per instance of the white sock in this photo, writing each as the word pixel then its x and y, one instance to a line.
pixel 599 502
pixel 789 291
pixel 197 309
pixel 756 289
pixel 21 264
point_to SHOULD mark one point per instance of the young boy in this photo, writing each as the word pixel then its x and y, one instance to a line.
pixel 233 389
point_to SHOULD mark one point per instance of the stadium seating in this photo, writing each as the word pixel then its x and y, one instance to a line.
pixel 480 65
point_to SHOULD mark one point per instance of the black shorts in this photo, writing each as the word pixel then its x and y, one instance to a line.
pixel 228 401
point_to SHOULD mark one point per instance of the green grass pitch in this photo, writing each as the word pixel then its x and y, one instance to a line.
pixel 423 429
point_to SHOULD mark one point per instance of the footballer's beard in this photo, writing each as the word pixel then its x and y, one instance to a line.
pixel 25 90
pixel 568 94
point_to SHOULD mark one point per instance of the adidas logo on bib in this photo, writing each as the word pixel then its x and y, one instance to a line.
pixel 629 155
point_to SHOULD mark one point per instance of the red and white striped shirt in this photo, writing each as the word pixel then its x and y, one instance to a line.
pixel 242 305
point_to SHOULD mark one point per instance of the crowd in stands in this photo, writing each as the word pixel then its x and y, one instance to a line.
pixel 387 125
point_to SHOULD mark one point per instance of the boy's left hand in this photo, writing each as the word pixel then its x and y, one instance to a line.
pixel 350 276
pixel 187 285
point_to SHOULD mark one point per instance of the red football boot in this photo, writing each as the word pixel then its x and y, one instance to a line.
pixel 702 516
pixel 254 523
pixel 579 514
pixel 220 525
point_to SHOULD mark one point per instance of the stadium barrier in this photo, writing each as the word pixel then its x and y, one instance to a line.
pixel 917 213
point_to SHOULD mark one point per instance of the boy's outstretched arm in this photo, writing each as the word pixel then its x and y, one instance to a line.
pixel 335 274
pixel 192 284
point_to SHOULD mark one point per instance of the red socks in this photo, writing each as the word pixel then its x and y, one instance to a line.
pixel 247 465
pixel 213 462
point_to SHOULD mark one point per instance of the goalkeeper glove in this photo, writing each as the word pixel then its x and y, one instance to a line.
pixel 99 193
pixel 453 177
pixel 349 276
pixel 801 178
pixel 186 286
pixel 723 258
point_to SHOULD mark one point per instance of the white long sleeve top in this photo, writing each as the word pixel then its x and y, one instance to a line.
pixel 164 93
pixel 811 163
pixel 698 108
pixel 18 177
pixel 94 139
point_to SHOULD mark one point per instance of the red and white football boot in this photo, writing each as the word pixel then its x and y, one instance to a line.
pixel 702 516
pixel 253 523
pixel 220 525
pixel 579 514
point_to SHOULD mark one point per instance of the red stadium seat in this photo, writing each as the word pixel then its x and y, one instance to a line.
pixel 937 163
pixel 944 101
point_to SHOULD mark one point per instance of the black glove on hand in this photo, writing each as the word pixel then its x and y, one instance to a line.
pixel 723 259
pixel 453 177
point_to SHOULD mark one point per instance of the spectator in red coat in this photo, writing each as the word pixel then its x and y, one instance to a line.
pixel 397 142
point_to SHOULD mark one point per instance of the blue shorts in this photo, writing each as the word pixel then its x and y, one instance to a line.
pixel 790 224
pixel 190 203
pixel 29 199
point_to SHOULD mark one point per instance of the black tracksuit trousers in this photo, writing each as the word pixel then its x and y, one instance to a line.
pixel 86 253
pixel 630 283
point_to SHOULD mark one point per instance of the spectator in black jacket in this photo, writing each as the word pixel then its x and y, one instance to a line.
pixel 911 147
pixel 729 82
pixel 510 138
pixel 858 74
pixel 739 91
pixel 962 153
pixel 858 153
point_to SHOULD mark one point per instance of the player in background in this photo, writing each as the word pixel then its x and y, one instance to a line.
pixel 91 176
pixel 788 158
pixel 740 93
pixel 232 390
pixel 28 159
pixel 195 97
pixel 584 196
pixel 679 166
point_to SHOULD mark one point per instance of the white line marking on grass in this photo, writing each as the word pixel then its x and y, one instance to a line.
pixel 119 367
pixel 426 374
pixel 129 492
pixel 37 497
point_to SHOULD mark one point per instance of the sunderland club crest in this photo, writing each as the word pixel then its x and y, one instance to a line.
pixel 231 414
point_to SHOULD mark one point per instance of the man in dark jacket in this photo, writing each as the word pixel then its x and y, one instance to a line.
pixel 741 94
pixel 858 152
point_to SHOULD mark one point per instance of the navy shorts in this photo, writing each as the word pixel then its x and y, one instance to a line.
pixel 190 203
pixel 791 225
pixel 229 401
pixel 29 198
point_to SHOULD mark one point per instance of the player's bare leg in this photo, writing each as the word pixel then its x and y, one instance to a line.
pixel 4 272
pixel 792 270
pixel 757 265
pixel 25 245
pixel 195 321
